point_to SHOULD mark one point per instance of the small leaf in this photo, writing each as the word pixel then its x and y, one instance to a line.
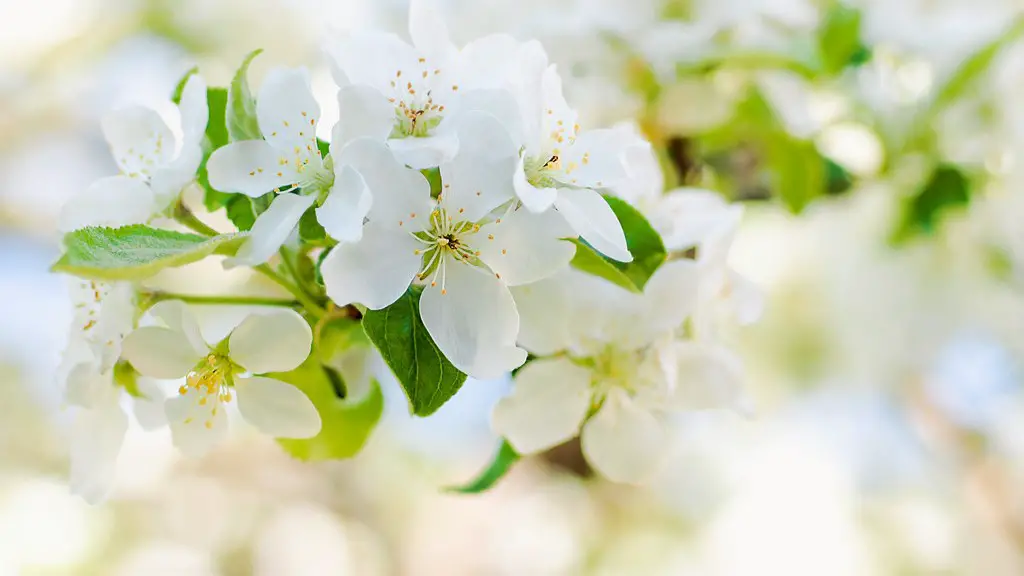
pixel 324 147
pixel 643 242
pixel 240 115
pixel 592 262
pixel 240 211
pixel 136 252
pixel 433 176
pixel 973 67
pixel 346 423
pixel 127 377
pixel 216 127
pixel 180 87
pixel 310 230
pixel 428 378
pixel 798 171
pixel 947 188
pixel 500 465
pixel 839 41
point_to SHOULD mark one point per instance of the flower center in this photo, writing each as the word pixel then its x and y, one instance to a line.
pixel 417 112
pixel 209 383
pixel 615 368
pixel 445 238
pixel 550 170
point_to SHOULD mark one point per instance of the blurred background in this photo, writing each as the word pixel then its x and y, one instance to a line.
pixel 877 145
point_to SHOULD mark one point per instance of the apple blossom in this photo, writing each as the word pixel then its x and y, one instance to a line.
pixel 288 157
pixel 277 341
pixel 155 168
pixel 468 247
pixel 618 371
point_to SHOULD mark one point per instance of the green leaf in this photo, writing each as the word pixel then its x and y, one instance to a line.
pixel 643 243
pixel 180 87
pixel 592 262
pixel 947 188
pixel 798 171
pixel 324 147
pixel 500 465
pixel 127 377
pixel 310 230
pixel 428 378
pixel 216 127
pixel 346 423
pixel 241 110
pixel 241 212
pixel 433 176
pixel 136 252
pixel 839 42
pixel 975 66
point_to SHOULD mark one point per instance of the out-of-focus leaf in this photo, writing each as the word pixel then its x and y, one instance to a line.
pixel 797 171
pixel 495 471
pixel 346 423
pixel 947 188
pixel 839 40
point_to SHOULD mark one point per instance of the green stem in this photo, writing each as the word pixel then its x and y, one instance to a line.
pixel 299 294
pixel 289 265
pixel 185 217
pixel 160 296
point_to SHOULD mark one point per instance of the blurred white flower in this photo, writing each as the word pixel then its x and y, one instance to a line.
pixel 155 168
pixel 104 312
pixel 277 341
pixel 467 255
pixel 617 371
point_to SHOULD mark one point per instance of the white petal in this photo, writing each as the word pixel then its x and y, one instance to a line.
pixel 527 247
pixel 558 119
pixel 479 178
pixel 372 58
pixel 288 112
pixel 276 408
pixel 196 428
pixel 277 341
pixel 591 217
pixel 149 407
pixel 194 110
pixel 707 377
pixel 624 442
pixel 347 204
pixel 549 402
pixel 670 296
pixel 532 67
pixel 112 201
pixel 499 103
pixel 746 297
pixel 168 182
pixel 489 62
pixel 177 316
pixel 139 139
pixel 252 167
pixel 597 157
pixel 401 196
pixel 271 230
pixel 374 271
pixel 96 438
pixel 535 199
pixel 688 217
pixel 428 31
pixel 159 352
pixel 425 152
pixel 473 320
pixel 364 113
pixel 84 384
pixel 544 315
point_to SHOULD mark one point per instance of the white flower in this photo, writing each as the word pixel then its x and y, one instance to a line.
pixel 620 371
pixel 278 341
pixel 103 314
pixel 410 95
pixel 99 423
pixel 697 219
pixel 465 253
pixel 560 165
pixel 154 167
pixel 288 157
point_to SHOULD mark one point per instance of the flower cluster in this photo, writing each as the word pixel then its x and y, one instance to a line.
pixel 459 212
